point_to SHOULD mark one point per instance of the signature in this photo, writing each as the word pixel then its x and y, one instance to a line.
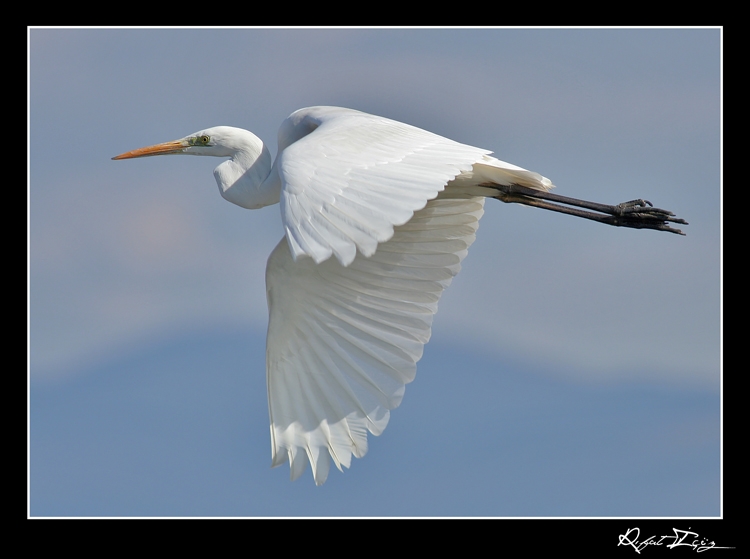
pixel 678 539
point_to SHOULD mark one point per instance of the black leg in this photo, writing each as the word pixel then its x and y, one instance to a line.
pixel 637 214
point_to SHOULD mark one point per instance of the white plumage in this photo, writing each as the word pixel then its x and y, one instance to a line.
pixel 377 217
pixel 347 178
pixel 343 341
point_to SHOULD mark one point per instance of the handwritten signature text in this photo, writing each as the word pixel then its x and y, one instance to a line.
pixel 678 539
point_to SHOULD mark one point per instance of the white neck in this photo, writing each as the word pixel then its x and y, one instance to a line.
pixel 247 178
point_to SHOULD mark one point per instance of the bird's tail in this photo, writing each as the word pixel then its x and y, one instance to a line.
pixel 488 174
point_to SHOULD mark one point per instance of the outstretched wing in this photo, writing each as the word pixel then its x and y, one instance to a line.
pixel 349 177
pixel 343 341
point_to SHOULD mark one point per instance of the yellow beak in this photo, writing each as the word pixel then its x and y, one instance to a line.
pixel 176 146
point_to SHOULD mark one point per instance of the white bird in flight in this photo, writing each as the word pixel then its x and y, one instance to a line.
pixel 377 217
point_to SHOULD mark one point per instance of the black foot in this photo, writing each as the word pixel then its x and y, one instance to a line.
pixel 641 214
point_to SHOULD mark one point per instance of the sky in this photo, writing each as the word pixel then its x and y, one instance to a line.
pixel 574 368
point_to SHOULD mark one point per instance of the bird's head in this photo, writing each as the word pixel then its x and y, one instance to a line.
pixel 241 179
pixel 219 141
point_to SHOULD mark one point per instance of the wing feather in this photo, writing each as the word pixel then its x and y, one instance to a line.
pixel 397 207
pixel 343 341
pixel 376 172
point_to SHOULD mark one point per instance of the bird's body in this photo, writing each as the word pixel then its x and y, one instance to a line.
pixel 377 216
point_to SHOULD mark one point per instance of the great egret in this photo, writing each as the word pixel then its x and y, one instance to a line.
pixel 397 207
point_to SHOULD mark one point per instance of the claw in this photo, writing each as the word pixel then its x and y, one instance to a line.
pixel 640 202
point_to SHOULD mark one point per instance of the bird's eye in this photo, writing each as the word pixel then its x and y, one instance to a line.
pixel 204 139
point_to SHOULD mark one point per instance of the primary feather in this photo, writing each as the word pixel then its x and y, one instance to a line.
pixel 343 341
